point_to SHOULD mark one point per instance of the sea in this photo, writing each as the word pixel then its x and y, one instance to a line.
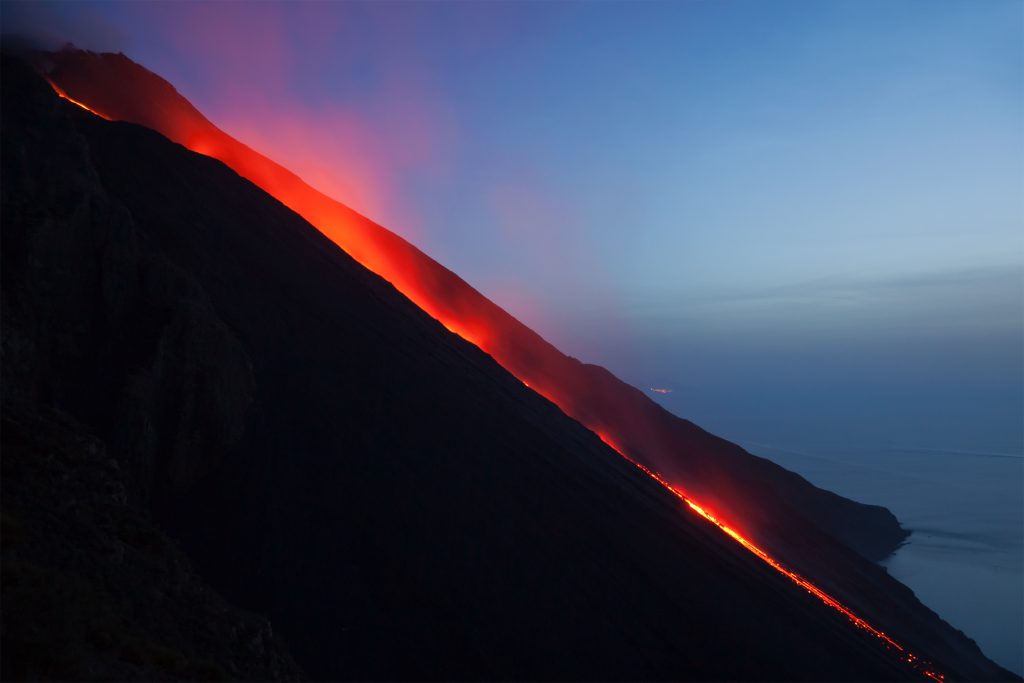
pixel 965 510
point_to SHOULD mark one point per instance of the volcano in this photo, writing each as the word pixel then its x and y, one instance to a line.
pixel 354 456
pixel 750 493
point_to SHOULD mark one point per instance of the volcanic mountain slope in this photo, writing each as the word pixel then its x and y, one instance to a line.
pixel 329 456
pixel 750 493
pixel 778 509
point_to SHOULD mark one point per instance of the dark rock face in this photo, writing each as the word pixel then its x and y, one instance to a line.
pixel 394 502
pixel 94 320
pixel 92 589
pixel 139 350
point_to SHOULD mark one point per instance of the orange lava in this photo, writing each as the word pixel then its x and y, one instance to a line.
pixel 56 89
pixel 459 307
pixel 919 665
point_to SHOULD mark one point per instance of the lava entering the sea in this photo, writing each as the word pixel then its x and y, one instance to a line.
pixel 463 311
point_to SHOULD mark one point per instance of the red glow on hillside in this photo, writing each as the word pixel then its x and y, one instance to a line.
pixel 118 89
pixel 594 399
pixel 253 84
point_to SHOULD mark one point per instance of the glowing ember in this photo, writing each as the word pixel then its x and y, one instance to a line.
pixel 465 312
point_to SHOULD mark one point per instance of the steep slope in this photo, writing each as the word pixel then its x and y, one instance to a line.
pixel 750 493
pixel 332 457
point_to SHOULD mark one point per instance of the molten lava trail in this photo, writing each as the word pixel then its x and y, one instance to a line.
pixel 57 89
pixel 919 665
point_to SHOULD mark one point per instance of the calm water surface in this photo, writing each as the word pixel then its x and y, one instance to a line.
pixel 965 556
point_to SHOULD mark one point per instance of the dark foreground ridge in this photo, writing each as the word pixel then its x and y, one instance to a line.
pixel 184 358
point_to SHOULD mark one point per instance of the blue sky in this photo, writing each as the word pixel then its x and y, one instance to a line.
pixel 806 218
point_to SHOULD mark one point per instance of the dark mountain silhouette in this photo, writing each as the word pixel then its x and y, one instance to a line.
pixel 750 493
pixel 185 358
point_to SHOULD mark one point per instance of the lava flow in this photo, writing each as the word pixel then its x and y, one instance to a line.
pixel 57 89
pixel 592 399
pixel 921 666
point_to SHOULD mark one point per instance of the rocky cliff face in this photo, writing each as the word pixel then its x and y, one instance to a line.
pixel 184 358
pixel 96 321
pixel 92 589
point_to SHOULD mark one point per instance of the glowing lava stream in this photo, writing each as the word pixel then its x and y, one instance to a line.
pixel 57 89
pixel 370 260
pixel 913 660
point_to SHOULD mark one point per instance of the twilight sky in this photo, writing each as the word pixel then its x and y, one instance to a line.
pixel 805 218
